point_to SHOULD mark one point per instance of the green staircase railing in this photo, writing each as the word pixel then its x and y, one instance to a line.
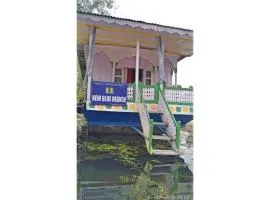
pixel 146 122
pixel 174 126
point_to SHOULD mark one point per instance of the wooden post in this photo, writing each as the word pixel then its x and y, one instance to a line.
pixel 175 76
pixel 137 69
pixel 89 62
pixel 160 52
pixel 113 70
pixel 157 74
pixel 154 75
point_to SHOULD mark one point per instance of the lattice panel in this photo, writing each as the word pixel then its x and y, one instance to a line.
pixel 179 96
pixel 149 94
pixel 130 93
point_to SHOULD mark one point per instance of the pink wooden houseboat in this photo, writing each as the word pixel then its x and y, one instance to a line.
pixel 127 67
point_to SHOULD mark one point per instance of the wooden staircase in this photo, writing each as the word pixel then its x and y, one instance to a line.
pixel 164 137
pixel 172 128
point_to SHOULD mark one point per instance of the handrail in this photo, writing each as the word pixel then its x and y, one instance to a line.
pixel 177 124
pixel 179 87
pixel 148 123
pixel 143 101
pixel 167 106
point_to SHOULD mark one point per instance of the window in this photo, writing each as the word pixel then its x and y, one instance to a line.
pixel 118 75
pixel 148 78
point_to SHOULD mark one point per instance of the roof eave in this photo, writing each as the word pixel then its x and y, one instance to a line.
pixel 90 17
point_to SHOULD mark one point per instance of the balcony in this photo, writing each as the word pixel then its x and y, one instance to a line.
pixel 175 95
pixel 179 99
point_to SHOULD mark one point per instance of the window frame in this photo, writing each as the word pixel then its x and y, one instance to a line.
pixel 118 76
pixel 148 78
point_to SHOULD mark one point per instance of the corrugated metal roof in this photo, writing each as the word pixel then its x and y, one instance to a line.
pixel 136 21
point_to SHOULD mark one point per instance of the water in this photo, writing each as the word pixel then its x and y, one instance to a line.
pixel 117 166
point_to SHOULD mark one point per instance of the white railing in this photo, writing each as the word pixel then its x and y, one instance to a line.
pixel 148 93
pixel 178 95
pixel 130 93
pixel 172 94
pixel 146 122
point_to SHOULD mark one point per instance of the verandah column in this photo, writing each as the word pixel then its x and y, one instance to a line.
pixel 113 69
pixel 156 74
pixel 160 52
pixel 89 62
pixel 175 73
pixel 137 69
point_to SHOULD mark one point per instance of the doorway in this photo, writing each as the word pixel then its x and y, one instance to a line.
pixel 131 75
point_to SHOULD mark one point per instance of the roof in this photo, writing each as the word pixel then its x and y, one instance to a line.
pixel 134 23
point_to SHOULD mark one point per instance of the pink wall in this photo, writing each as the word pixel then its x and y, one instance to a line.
pixel 131 62
pixel 168 69
pixel 102 67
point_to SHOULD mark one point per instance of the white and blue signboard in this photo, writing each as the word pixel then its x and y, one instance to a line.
pixel 108 93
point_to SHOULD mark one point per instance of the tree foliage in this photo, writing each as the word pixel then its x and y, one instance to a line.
pixel 96 6
pixel 80 90
pixel 91 6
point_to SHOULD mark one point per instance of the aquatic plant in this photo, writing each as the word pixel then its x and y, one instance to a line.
pixel 124 152
pixel 81 119
pixel 132 153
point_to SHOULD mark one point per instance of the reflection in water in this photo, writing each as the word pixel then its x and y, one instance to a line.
pixel 120 168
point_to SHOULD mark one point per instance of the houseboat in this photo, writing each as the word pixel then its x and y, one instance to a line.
pixel 127 68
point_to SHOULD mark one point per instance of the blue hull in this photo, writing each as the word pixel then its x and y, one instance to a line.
pixel 123 118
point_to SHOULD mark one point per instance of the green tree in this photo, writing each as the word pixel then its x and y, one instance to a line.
pixel 91 6
pixel 96 6
pixel 80 90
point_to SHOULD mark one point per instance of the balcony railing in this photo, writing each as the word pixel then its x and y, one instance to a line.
pixel 150 93
pixel 173 94
pixel 131 92
pixel 179 95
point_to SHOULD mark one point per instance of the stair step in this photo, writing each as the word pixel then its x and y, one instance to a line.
pixel 163 165
pixel 161 173
pixel 161 137
pixel 160 123
pixel 164 152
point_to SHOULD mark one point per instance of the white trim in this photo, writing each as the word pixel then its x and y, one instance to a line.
pixel 136 108
pixel 117 76
pixel 96 19
pixel 145 78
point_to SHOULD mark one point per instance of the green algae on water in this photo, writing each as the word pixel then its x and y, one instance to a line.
pixel 126 153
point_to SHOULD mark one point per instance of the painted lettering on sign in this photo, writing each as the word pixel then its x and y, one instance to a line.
pixel 107 93
pixel 109 90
